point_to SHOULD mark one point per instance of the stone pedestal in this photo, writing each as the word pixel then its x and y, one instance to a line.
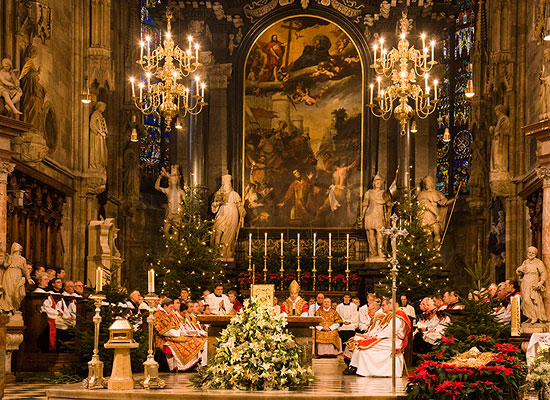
pixel 541 131
pixel 121 375
pixel 14 337
pixel 300 327
pixel 102 250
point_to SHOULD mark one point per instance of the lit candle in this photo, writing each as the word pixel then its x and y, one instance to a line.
pixel 298 252
pixel 250 244
pixel 375 49
pixel 282 241
pixel 433 46
pixel 423 36
pixel 347 245
pixel 382 46
pixel 141 45
pixel 314 242
pixel 99 280
pixel 378 79
pixel 132 80
pixel 140 91
pixel 197 83
pixel 371 92
pixel 330 244
pixel 435 89
pixel 148 75
pixel 151 281
pixel 148 40
pixel 190 39
pixel 203 85
pixel 265 244
pixel 197 53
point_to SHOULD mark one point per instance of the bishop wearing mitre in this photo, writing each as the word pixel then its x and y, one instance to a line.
pixel 373 353
pixel 327 338
pixel 294 306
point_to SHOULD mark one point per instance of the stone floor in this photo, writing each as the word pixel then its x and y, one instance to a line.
pixel 330 385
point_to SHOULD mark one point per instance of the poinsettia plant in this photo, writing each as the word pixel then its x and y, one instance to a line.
pixel 501 378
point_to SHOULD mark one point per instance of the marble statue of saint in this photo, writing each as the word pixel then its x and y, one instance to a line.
pixel 32 99
pixel 175 195
pixel 376 205
pixel 544 88
pixel 10 88
pixel 98 137
pixel 434 207
pixel 13 280
pixel 500 137
pixel 532 276
pixel 229 210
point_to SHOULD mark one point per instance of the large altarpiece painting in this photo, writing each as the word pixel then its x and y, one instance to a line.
pixel 303 126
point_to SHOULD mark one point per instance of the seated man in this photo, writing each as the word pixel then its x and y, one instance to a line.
pixel 182 352
pixel 452 299
pixel 372 353
pixel 428 329
pixel 317 305
pixel 294 306
pixel 234 304
pixel 327 339
pixel 192 324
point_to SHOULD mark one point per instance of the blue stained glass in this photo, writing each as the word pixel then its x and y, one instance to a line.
pixel 461 173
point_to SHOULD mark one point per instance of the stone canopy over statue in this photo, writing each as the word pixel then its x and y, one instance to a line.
pixel 533 277
pixel 434 208
pixel 175 195
pixel 13 278
pixel 376 205
pixel 229 210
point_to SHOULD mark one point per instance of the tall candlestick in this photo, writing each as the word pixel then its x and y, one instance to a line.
pixel 250 244
pixel 347 244
pixel 330 244
pixel 298 250
pixel 314 242
pixel 265 244
pixel 99 280
pixel 282 252
pixel 151 281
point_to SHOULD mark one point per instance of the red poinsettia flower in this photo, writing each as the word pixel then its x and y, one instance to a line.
pixel 506 347
pixel 447 340
pixel 451 388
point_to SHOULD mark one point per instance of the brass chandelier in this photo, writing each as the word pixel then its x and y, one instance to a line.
pixel 166 85
pixel 404 97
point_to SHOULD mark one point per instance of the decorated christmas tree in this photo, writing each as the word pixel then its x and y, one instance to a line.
pixel 255 352
pixel 420 270
pixel 190 262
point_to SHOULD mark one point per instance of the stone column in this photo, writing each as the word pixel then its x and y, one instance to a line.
pixel 6 168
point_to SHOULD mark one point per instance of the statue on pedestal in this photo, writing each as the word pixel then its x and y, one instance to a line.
pixel 500 138
pixel 229 210
pixel 13 280
pixel 175 195
pixel 376 205
pixel 532 276
pixel 10 89
pixel 98 138
pixel 33 92
pixel 434 207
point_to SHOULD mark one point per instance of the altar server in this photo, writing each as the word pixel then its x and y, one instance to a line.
pixel 349 314
pixel 218 302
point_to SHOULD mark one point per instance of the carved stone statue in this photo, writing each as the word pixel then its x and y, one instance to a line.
pixel 10 88
pixel 385 9
pixel 174 194
pixel 500 138
pixel 98 138
pixel 13 279
pixel 229 210
pixel 544 88
pixel 478 170
pixel 532 276
pixel 32 99
pixel 376 205
pixel 434 207
pixel 130 173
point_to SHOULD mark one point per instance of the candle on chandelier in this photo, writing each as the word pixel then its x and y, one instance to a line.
pixel 148 40
pixel 423 36
pixel 282 241
pixel 141 45
pixel 314 242
pixel 151 281
pixel 99 280
pixel 190 39
pixel 265 244
pixel 347 245
pixel 148 75
pixel 371 92
pixel 435 89
pixel 298 251
pixel 203 85
pixel 132 80
pixel 375 47
pixel 250 244
pixel 330 244
pixel 140 91
pixel 381 45
pixel 197 84
pixel 197 53
pixel 433 46
pixel 378 79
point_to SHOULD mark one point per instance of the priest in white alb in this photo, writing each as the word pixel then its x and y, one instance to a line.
pixel 372 355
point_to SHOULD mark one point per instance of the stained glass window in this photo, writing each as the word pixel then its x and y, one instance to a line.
pixel 453 154
pixel 155 143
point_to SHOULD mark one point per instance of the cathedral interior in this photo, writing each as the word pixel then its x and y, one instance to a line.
pixel 285 103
